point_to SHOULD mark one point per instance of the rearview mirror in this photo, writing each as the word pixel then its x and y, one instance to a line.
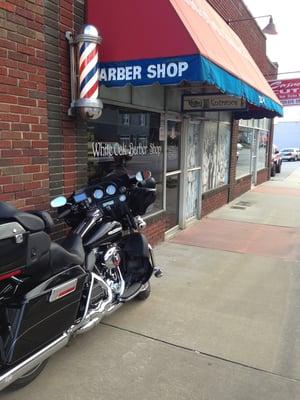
pixel 58 202
pixel 142 176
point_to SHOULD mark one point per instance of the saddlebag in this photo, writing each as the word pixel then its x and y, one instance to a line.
pixel 22 239
pixel 42 315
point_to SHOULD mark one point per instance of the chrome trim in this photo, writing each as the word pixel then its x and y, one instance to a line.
pixel 11 229
pixel 140 223
pixel 152 256
pixel 141 289
pixel 21 369
pixel 116 230
pixel 122 282
pixel 93 317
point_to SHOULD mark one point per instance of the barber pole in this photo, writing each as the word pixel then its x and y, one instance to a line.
pixel 84 73
pixel 88 66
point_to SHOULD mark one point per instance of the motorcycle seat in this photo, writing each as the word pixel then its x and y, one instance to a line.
pixel 46 217
pixel 70 252
pixel 30 222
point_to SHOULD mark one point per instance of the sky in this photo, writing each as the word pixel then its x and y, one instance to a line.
pixel 283 48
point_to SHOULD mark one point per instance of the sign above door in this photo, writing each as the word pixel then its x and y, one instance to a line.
pixel 212 102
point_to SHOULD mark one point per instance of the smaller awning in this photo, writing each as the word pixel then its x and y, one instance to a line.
pixel 174 41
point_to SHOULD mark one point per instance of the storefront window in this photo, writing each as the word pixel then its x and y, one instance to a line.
pixel 216 151
pixel 243 153
pixel 252 147
pixel 223 154
pixel 262 155
pixel 126 139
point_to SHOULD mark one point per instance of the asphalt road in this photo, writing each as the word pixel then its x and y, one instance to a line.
pixel 287 168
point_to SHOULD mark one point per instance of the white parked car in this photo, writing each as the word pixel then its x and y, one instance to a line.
pixel 290 154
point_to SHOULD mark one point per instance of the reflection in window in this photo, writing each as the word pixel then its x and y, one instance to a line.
pixel 216 151
pixel 173 148
pixel 143 119
pixel 125 119
pixel 243 154
pixel 114 144
pixel 262 156
pixel 172 201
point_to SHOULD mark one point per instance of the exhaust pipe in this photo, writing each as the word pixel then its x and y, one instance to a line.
pixel 21 369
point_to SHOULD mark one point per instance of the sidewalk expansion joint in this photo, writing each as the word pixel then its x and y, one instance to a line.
pixel 283 259
pixel 252 222
pixel 201 353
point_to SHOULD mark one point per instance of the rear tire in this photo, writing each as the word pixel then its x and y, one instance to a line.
pixel 28 377
pixel 145 293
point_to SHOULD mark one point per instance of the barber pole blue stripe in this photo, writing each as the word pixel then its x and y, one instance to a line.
pixel 88 77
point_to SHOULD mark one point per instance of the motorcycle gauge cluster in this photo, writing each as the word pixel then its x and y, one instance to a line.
pixel 98 194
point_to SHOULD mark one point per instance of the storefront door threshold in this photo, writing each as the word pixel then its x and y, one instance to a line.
pixel 191 221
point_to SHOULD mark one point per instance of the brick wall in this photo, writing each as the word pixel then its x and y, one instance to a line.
pixel 241 186
pixel 24 177
pixel 248 31
pixel 214 199
pixel 262 176
pixel 155 229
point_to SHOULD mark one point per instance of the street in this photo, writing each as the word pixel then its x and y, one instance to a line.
pixel 223 323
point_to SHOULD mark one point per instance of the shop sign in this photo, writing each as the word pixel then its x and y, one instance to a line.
pixel 287 90
pixel 212 102
pixel 104 150
pixel 145 72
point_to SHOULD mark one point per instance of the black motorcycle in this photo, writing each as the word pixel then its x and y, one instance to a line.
pixel 50 292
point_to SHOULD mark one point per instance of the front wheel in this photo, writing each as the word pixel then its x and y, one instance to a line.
pixel 28 377
pixel 144 294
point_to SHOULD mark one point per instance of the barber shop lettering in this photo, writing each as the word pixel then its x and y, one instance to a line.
pixel 140 72
pixel 101 149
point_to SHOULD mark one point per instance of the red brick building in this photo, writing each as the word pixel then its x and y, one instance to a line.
pixel 45 153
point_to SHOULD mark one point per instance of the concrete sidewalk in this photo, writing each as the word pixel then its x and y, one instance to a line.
pixel 222 324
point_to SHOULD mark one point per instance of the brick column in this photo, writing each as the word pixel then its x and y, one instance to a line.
pixel 24 176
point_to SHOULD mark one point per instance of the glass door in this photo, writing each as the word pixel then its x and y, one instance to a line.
pixel 193 170
pixel 173 175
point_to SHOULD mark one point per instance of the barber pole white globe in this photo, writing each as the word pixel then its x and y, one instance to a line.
pixel 89 104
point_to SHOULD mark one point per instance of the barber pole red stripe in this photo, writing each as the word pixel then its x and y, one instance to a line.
pixel 88 59
pixel 88 71
pixel 92 91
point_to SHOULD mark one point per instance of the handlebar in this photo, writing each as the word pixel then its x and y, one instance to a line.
pixel 65 213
